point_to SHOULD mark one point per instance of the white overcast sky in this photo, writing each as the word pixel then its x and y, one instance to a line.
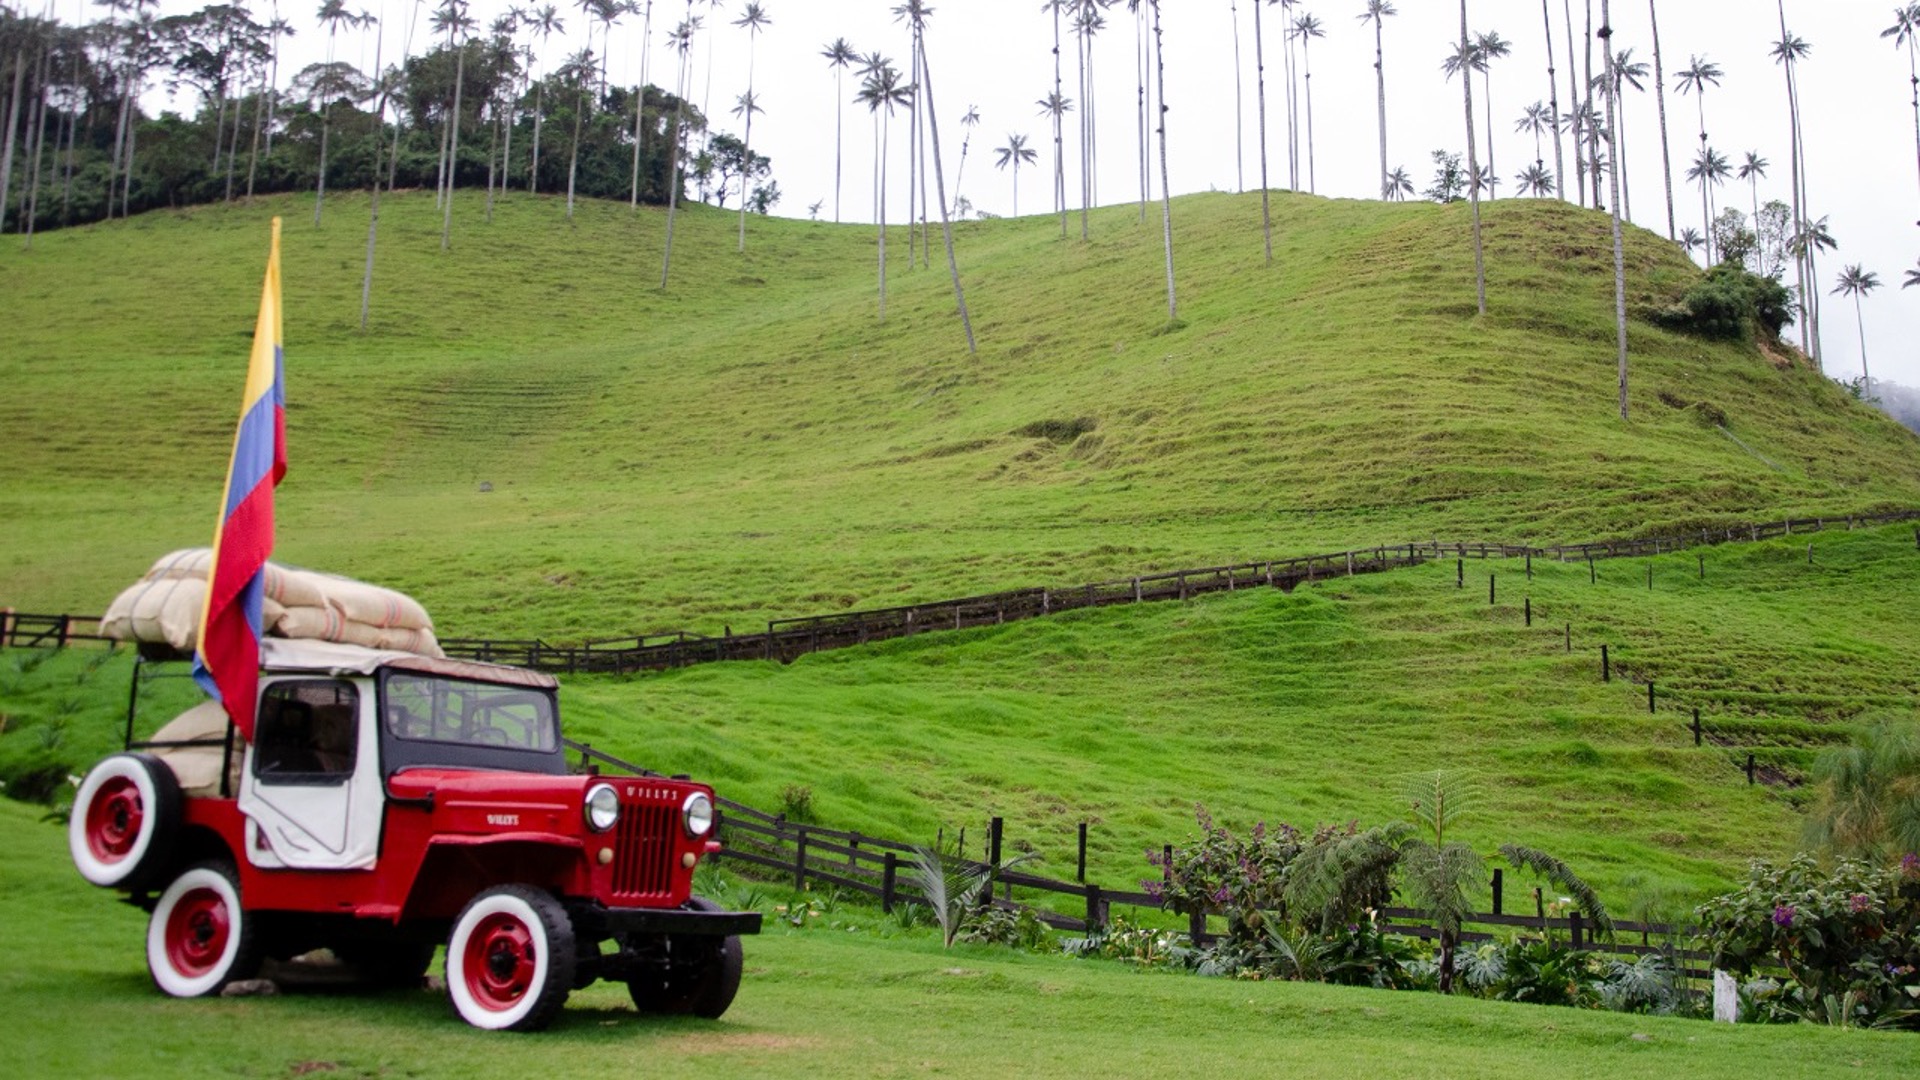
pixel 996 56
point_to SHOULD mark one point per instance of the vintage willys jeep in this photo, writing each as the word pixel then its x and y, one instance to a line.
pixel 389 803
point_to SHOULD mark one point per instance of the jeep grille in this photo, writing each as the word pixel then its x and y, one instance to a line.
pixel 643 850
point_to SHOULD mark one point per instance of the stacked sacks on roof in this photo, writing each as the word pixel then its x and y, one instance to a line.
pixel 165 605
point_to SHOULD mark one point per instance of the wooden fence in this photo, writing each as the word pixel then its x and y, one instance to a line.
pixel 802 855
pixel 788 639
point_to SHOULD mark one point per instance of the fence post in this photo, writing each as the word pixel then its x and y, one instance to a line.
pixel 1703 567
pixel 1606 666
pixel 66 621
pixel 1575 924
pixel 1696 725
pixel 1459 573
pixel 1569 637
pixel 1591 575
pixel 994 832
pixel 1529 611
pixel 887 877
pixel 1196 926
pixel 1529 564
pixel 1749 768
pixel 1081 874
pixel 1496 890
pixel 6 616
pixel 1490 590
pixel 1650 695
pixel 1349 564
pixel 800 858
pixel 1136 590
pixel 1094 906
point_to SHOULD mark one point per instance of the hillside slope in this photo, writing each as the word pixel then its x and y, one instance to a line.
pixel 535 439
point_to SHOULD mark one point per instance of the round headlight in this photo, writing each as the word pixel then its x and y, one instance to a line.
pixel 697 813
pixel 602 808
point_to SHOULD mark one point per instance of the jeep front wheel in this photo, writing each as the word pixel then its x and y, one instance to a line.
pixel 511 958
pixel 199 938
pixel 699 975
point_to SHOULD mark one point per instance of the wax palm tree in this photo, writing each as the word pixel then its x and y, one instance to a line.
pixel 969 121
pixel 1015 154
pixel 1812 238
pixel 1239 102
pixel 1857 283
pixel 1166 192
pixel 916 13
pixel 1138 9
pixel 1535 120
pixel 508 96
pixel 1487 48
pixel 1260 95
pixel 451 19
pixel 1788 52
pixel 1537 180
pixel 1626 72
pixel 882 92
pixel 754 20
pixel 543 22
pixel 1088 21
pixel 1377 13
pixel 1694 79
pixel 1904 32
pixel 1305 29
pixel 839 56
pixel 1660 95
pixel 453 16
pixel 1056 104
pixel 1690 240
pixel 277 28
pixel 580 69
pixel 333 14
pixel 1618 170
pixel 1398 185
pixel 639 105
pixel 681 41
pixel 1754 170
pixel 386 84
pixel 1553 104
pixel 1710 169
pixel 1913 278
pixel 1461 62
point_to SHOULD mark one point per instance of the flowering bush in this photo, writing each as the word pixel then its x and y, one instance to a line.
pixel 1847 935
pixel 1241 877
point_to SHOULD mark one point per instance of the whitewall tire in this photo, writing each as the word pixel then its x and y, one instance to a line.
pixel 510 960
pixel 125 817
pixel 199 937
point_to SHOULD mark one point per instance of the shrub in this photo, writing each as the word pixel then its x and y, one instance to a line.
pixel 1845 937
pixel 1729 303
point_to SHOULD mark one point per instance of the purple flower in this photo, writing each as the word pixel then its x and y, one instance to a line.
pixel 1910 866
pixel 1220 895
pixel 1783 916
pixel 1859 902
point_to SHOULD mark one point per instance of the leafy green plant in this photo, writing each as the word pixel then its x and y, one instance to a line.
pixel 1436 873
pixel 953 887
pixel 1867 802
pixel 1846 937
pixel 1018 927
pixel 1139 945
pixel 1730 303
pixel 796 803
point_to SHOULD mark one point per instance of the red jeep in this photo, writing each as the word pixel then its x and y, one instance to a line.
pixel 389 803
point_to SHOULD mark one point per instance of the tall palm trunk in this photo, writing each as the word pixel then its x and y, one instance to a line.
pixel 493 153
pixel 1473 166
pixel 233 151
pixel 1380 81
pixel 639 104
pixel 373 212
pixel 1239 123
pixel 573 155
pixel 839 127
pixel 37 154
pixel 253 147
pixel 673 153
pixel 13 122
pixel 1859 320
pixel 1593 137
pixel 1799 210
pixel 453 146
pixel 1166 199
pixel 940 186
pixel 1140 104
pixel 1660 95
pixel 1579 114
pixel 1059 123
pixel 1619 251
pixel 1553 103
pixel 1260 96
pixel 320 185
pixel 1291 110
pixel 1486 83
pixel 126 180
pixel 533 170
pixel 1306 62
pixel 885 130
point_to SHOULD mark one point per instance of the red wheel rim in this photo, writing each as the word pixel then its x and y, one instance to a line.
pixel 113 819
pixel 197 932
pixel 498 962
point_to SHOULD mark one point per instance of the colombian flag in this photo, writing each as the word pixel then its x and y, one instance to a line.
pixel 227 661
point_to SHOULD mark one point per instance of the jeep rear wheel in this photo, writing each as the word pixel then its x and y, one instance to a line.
pixel 511 958
pixel 125 817
pixel 199 937
pixel 699 977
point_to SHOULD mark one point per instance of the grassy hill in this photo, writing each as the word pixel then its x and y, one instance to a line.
pixel 536 440
pixel 753 442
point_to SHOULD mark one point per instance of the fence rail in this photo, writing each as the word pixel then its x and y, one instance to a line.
pixel 788 639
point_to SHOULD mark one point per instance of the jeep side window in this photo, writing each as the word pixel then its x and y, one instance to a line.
pixel 435 709
pixel 307 731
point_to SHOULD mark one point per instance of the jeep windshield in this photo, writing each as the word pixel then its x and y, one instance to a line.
pixel 435 719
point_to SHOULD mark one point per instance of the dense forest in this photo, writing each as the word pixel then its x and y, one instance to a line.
pixel 79 147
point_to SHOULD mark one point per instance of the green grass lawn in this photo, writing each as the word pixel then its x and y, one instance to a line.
pixel 754 443
pixel 851 995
